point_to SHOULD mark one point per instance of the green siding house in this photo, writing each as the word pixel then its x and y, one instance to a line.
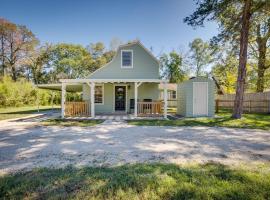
pixel 129 84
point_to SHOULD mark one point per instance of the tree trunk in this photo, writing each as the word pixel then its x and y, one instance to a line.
pixel 261 65
pixel 13 72
pixel 242 70
pixel 262 48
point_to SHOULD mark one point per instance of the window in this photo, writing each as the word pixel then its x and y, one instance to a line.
pixel 126 58
pixel 99 94
pixel 174 94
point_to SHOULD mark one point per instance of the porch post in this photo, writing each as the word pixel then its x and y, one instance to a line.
pixel 135 99
pixel 165 100
pixel 63 100
pixel 92 93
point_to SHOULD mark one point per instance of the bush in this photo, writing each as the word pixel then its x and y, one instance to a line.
pixel 23 92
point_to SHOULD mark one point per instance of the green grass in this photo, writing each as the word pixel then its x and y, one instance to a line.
pixel 70 122
pixel 16 112
pixel 139 181
pixel 252 121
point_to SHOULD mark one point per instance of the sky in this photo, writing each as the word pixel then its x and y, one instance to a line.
pixel 156 23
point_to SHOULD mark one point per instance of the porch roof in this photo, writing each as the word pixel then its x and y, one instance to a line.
pixel 73 87
pixel 113 80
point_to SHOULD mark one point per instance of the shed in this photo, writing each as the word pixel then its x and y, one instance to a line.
pixel 196 97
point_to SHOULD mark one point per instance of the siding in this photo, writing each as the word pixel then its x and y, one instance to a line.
pixel 185 97
pixel 144 66
pixel 145 91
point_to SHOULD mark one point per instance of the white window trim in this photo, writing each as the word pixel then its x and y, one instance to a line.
pixel 127 67
pixel 102 85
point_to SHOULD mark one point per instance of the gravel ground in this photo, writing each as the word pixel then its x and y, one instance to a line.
pixel 24 145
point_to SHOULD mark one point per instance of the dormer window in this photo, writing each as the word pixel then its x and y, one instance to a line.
pixel 126 59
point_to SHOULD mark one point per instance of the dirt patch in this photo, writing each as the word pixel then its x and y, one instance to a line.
pixel 109 144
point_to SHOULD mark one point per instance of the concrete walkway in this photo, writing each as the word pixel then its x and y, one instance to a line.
pixel 26 145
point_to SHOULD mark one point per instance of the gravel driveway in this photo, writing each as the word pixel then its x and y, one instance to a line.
pixel 25 145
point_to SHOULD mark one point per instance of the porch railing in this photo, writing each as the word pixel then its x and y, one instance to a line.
pixel 150 109
pixel 81 108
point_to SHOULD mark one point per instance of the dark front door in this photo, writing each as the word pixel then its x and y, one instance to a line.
pixel 120 98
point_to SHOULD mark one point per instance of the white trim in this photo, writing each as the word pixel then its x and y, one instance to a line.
pixel 207 95
pixel 92 94
pixel 127 67
pixel 126 109
pixel 102 85
pixel 113 80
pixel 165 101
pixel 63 100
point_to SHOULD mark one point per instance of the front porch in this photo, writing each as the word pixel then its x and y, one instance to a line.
pixel 122 97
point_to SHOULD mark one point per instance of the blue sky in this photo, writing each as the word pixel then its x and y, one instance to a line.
pixel 157 23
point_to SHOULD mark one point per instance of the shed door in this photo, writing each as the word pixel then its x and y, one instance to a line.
pixel 200 98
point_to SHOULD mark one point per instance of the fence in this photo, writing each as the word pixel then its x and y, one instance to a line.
pixel 77 109
pixel 253 102
pixel 149 109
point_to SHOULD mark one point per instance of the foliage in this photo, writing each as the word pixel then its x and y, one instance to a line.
pixel 37 63
pixel 140 181
pixel 22 93
pixel 70 61
pixel 201 55
pixel 172 67
pixel 16 42
pixel 253 121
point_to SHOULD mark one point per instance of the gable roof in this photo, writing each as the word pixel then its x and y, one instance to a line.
pixel 126 45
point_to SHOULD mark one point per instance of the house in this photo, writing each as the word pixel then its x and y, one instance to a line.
pixel 129 84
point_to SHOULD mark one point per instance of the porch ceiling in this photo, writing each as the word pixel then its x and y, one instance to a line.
pixel 72 87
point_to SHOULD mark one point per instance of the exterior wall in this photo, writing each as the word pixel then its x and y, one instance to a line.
pixel 186 89
pixel 181 99
pixel 145 91
pixel 144 66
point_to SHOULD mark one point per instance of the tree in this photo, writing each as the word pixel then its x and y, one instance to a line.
pixel 172 68
pixel 259 45
pixel 219 10
pixel 225 71
pixel 70 61
pixel 99 54
pixel 201 56
pixel 16 42
pixel 37 62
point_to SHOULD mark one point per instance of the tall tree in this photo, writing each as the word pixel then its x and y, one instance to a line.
pixel 70 61
pixel 16 42
pixel 172 68
pixel 37 62
pixel 200 56
pixel 219 10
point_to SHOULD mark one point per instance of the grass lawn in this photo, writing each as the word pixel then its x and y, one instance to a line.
pixel 16 112
pixel 139 181
pixel 69 122
pixel 253 121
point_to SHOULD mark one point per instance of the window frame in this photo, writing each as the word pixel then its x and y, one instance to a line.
pixel 102 88
pixel 127 50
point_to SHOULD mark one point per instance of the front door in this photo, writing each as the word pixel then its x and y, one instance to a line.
pixel 200 98
pixel 120 98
